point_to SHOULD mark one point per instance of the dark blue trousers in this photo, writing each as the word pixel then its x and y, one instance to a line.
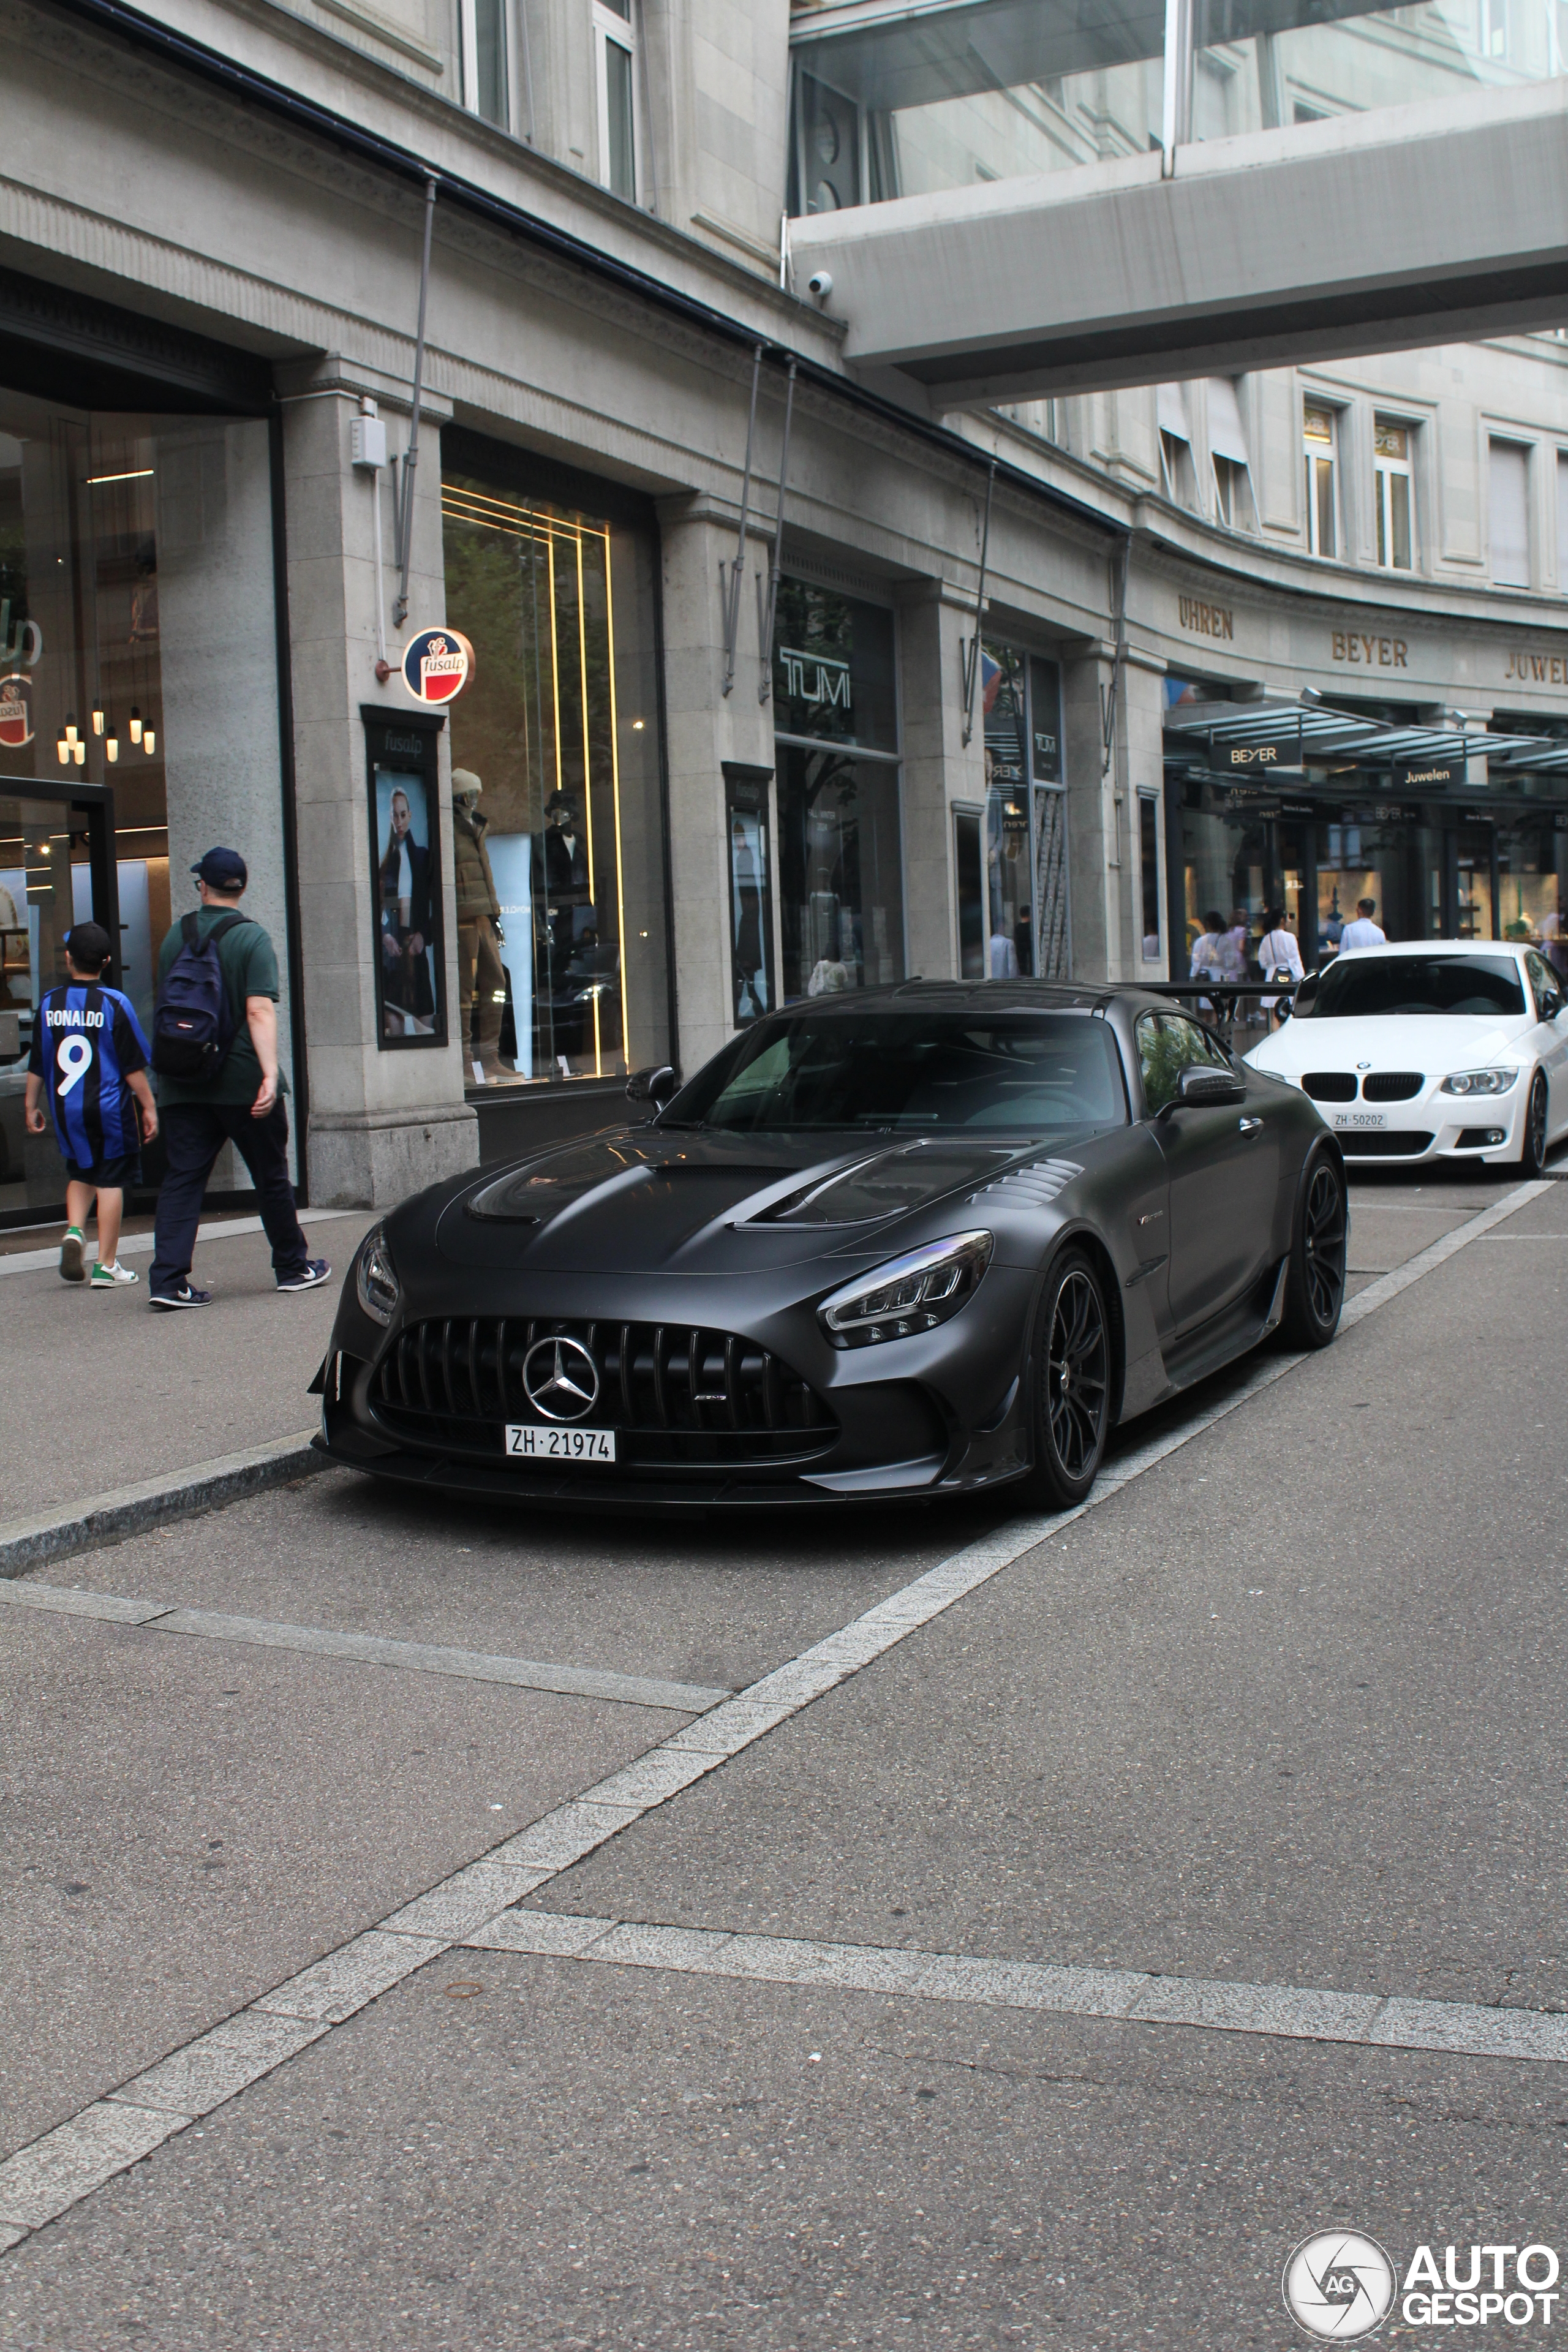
pixel 194 1134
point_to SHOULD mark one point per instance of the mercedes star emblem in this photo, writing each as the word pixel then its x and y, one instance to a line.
pixel 561 1379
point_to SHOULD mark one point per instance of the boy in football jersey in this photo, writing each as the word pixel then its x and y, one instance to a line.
pixel 89 1057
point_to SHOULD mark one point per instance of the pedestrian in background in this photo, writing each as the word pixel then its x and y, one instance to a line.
pixel 1364 932
pixel 215 1055
pixel 89 1060
pixel 1277 954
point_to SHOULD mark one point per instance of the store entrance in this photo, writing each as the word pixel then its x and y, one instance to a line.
pixel 56 869
pixel 1430 871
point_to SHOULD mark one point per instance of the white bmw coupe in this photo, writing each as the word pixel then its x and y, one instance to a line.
pixel 1446 1049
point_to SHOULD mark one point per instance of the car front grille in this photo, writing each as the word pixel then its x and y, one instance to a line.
pixel 1330 1086
pixel 678 1394
pixel 1392 1086
pixel 1381 1147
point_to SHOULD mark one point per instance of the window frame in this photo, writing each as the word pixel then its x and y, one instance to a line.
pixel 1317 453
pixel 1501 438
pixel 468 59
pixel 1385 470
pixel 611 29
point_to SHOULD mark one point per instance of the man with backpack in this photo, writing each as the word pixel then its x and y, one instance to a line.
pixel 215 1050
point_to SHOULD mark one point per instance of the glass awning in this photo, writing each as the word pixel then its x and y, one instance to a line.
pixel 1313 734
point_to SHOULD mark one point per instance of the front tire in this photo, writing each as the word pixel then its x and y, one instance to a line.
pixel 1533 1151
pixel 1315 1287
pixel 1072 1383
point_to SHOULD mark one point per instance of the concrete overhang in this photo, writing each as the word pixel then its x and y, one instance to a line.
pixel 1442 222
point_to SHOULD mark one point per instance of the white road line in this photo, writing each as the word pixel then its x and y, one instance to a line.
pixel 1295 2012
pixel 369 1649
pixel 45 2178
pixel 143 1245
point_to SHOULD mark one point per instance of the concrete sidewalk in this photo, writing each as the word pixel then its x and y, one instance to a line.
pixel 100 1392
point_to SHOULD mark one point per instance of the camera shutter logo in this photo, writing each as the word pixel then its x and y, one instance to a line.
pixel 1338 2285
pixel 561 1379
pixel 437 664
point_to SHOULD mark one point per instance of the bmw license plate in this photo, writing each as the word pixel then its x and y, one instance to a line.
pixel 528 1442
pixel 1353 1122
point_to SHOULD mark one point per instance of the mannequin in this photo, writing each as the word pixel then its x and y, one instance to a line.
pixel 481 978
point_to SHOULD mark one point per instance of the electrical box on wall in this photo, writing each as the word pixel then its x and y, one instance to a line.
pixel 367 441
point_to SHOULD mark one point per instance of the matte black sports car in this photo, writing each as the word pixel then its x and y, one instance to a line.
pixel 915 1240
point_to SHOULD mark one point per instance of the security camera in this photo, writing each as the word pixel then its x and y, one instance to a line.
pixel 820 283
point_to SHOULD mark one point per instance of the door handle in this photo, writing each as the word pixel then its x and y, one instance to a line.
pixel 1248 1126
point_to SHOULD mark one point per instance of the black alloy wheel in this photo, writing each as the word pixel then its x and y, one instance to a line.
pixel 1074 1381
pixel 1316 1283
pixel 1533 1151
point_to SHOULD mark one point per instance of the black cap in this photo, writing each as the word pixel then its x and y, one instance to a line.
pixel 87 944
pixel 223 869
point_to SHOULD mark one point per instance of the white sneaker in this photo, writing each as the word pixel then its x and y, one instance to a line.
pixel 105 1277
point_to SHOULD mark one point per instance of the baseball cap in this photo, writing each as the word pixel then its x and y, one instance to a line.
pixel 87 945
pixel 223 869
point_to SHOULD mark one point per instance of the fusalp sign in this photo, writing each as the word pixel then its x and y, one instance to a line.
pixel 437 664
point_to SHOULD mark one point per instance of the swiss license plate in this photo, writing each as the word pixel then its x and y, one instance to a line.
pixel 1360 1121
pixel 528 1442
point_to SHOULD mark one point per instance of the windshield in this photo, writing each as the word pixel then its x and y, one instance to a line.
pixel 1021 1073
pixel 1362 987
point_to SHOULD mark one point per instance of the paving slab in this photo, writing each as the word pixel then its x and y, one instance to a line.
pixel 524 2152
pixel 716 1603
pixel 101 1391
pixel 1286 1709
pixel 186 1824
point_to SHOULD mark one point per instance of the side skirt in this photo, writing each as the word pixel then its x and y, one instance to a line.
pixel 1231 1334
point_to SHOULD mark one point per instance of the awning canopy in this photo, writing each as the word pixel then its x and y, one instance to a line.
pixel 1329 737
pixel 1227 438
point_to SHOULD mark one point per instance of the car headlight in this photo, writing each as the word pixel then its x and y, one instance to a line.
pixel 375 1277
pixel 1478 1082
pixel 908 1295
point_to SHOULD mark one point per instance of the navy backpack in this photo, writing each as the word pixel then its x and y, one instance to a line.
pixel 191 1028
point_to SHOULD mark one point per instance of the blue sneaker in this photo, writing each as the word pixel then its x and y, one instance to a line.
pixel 316 1271
pixel 184 1296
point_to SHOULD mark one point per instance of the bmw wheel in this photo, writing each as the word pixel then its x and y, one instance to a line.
pixel 1533 1151
pixel 1315 1287
pixel 1073 1391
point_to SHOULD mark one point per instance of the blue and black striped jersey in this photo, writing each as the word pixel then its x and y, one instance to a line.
pixel 87 1041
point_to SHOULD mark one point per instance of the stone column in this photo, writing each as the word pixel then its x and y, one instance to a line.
pixel 381 1124
pixel 703 728
pixel 935 622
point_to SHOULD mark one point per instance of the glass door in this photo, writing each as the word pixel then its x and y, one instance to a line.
pixel 55 870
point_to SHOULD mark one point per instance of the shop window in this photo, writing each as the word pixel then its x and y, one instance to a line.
pixel 138 699
pixel 1009 905
pixel 1392 493
pixel 481 30
pixel 615 55
pixel 840 853
pixel 1149 872
pixel 1052 924
pixel 1322 489
pixel 1234 497
pixel 558 831
pixel 1509 513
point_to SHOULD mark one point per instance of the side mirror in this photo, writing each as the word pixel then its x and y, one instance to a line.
pixel 1283 1010
pixel 657 1085
pixel 1202 1087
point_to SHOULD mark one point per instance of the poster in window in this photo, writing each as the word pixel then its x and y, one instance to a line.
pixel 407 906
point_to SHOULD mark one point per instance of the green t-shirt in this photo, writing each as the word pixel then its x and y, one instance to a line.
pixel 249 967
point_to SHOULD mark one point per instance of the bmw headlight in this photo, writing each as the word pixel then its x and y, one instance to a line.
pixel 375 1277
pixel 908 1295
pixel 1478 1082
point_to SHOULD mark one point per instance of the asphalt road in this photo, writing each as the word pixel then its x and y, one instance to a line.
pixel 1283 1710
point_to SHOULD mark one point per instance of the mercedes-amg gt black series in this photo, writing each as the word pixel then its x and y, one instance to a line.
pixel 911 1242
